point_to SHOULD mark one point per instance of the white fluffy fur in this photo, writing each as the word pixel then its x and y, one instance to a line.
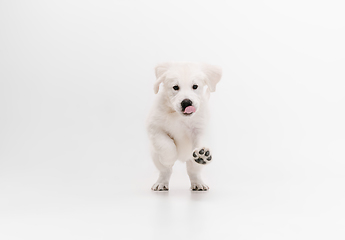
pixel 172 134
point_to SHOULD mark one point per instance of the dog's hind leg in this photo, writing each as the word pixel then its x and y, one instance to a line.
pixel 164 155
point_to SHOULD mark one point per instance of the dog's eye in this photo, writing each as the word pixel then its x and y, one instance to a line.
pixel 176 88
pixel 195 86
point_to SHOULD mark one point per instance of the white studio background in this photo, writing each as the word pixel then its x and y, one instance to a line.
pixel 75 87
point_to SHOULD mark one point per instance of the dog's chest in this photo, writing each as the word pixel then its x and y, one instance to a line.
pixel 184 131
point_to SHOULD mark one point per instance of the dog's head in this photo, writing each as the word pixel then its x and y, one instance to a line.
pixel 183 84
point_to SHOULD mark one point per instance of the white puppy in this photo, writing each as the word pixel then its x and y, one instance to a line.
pixel 177 121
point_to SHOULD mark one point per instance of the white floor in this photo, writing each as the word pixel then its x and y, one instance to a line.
pixel 54 204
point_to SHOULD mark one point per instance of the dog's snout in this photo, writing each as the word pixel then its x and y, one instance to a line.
pixel 186 103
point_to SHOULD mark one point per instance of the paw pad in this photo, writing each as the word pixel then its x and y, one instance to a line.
pixel 202 156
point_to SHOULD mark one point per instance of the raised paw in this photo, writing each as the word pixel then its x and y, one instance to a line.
pixel 160 187
pixel 202 155
pixel 198 186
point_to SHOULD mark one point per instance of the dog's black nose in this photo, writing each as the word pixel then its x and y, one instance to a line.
pixel 186 103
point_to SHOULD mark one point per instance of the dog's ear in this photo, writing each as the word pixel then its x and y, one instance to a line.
pixel 213 75
pixel 160 71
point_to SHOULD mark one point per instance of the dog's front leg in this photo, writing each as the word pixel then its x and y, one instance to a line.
pixel 200 156
pixel 164 155
pixel 194 172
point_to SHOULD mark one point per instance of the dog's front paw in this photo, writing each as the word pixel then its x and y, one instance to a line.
pixel 160 187
pixel 202 155
pixel 199 186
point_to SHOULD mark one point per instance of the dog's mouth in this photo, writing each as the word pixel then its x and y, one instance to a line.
pixel 189 110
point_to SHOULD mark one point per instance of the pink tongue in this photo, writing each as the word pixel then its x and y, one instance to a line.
pixel 189 109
